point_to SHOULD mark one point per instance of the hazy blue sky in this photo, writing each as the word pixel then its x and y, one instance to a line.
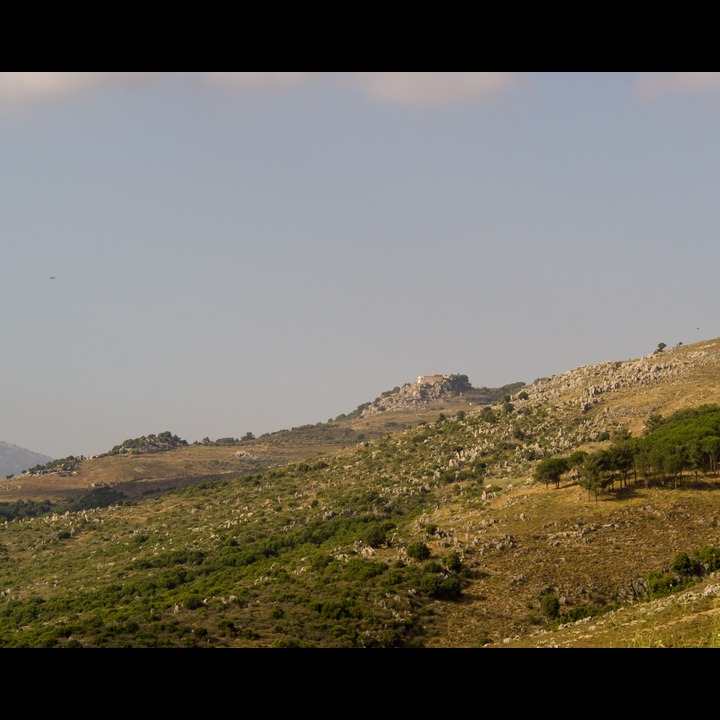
pixel 238 252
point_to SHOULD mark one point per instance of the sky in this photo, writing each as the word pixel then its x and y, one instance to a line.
pixel 213 254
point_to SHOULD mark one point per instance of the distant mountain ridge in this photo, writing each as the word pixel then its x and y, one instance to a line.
pixel 14 459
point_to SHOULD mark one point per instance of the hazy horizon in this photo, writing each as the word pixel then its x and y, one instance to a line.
pixel 221 253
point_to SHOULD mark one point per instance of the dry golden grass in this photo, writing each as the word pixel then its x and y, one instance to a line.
pixel 531 540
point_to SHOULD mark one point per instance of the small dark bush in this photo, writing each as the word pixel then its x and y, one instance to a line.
pixel 453 562
pixel 193 602
pixel 374 536
pixel 418 551
pixel 660 584
pixel 436 586
pixel 550 606
pixel 709 557
pixel 684 566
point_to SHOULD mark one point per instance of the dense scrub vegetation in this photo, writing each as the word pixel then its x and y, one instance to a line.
pixel 313 572
pixel 686 569
pixel 226 441
pixel 67 464
pixel 148 444
pixel 20 509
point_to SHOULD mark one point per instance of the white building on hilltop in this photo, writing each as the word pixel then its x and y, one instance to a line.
pixel 431 379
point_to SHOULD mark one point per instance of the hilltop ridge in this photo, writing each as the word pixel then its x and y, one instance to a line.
pixel 624 392
pixel 147 465
pixel 581 407
pixel 430 389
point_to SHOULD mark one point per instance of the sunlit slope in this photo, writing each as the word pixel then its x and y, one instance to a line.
pixel 141 474
pixel 432 535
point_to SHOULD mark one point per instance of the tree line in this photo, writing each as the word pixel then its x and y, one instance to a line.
pixel 687 441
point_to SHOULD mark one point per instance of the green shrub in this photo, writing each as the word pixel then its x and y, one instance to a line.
pixel 24 509
pixel 453 562
pixel 97 498
pixel 449 588
pixel 391 638
pixel 684 566
pixel 660 584
pixel 550 606
pixel 579 613
pixel 320 561
pixel 430 584
pixel 227 626
pixel 376 534
pixel 361 569
pixel 709 556
pixel 336 610
pixel 418 551
pixel 193 602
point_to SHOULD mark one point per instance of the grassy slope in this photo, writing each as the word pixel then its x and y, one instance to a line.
pixel 458 485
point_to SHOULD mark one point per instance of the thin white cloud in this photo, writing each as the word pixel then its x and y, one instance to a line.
pixel 21 88
pixel 433 88
pixel 255 80
pixel 654 85
pixel 423 89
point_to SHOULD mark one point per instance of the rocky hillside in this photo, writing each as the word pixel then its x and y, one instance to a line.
pixel 434 535
pixel 590 401
pixel 418 396
pixel 627 391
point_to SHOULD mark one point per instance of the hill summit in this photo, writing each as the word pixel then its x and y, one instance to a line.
pixel 432 388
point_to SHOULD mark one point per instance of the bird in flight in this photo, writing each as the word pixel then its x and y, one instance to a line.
pixel 52 277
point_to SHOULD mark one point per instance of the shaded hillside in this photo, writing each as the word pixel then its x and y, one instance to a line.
pixel 434 535
pixel 14 459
